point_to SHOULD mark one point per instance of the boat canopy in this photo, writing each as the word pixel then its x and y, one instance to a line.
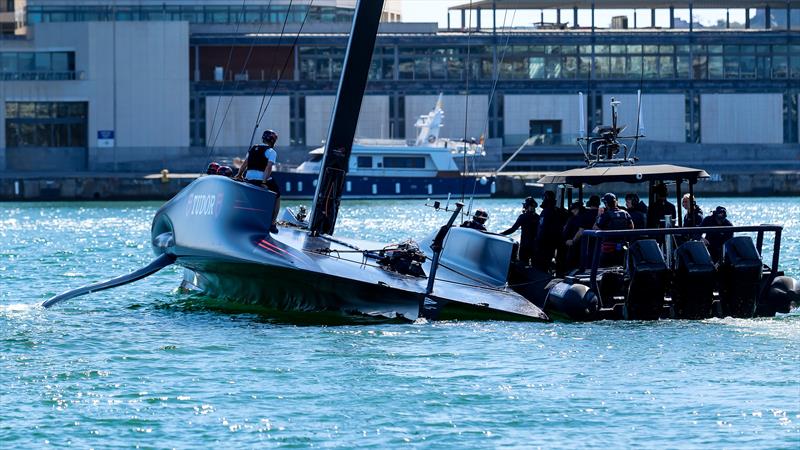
pixel 628 174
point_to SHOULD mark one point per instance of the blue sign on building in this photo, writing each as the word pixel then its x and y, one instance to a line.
pixel 105 138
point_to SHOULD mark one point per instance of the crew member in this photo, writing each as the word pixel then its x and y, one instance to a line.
pixel 478 220
pixel 715 241
pixel 548 236
pixel 571 234
pixel 584 219
pixel 694 215
pixel 529 222
pixel 613 218
pixel 637 210
pixel 257 169
pixel 661 207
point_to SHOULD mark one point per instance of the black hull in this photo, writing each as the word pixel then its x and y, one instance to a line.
pixel 218 229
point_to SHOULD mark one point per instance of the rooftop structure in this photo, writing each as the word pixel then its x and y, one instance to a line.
pixel 705 89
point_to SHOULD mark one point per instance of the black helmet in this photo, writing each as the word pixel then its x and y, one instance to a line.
pixel 530 202
pixel 609 199
pixel 721 211
pixel 225 171
pixel 480 216
pixel 269 137
pixel 212 168
pixel 594 201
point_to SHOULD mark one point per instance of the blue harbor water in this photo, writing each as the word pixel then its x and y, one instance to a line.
pixel 146 365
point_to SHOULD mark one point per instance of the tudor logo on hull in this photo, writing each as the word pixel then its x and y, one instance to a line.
pixel 204 204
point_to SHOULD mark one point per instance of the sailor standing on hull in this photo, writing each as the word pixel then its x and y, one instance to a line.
pixel 529 222
pixel 257 169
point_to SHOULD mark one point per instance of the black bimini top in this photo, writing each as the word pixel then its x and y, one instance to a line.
pixel 627 174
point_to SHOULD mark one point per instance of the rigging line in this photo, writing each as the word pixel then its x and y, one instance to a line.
pixel 638 112
pixel 466 100
pixel 261 114
pixel 236 84
pixel 280 38
pixel 493 91
pixel 222 85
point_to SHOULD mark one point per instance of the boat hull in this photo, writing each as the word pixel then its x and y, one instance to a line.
pixel 218 229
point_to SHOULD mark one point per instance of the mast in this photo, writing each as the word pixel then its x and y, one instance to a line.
pixel 336 159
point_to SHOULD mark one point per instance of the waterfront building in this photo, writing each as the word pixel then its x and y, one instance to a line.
pixel 136 85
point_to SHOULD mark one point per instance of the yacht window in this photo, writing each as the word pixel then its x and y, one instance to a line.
pixel 365 162
pixel 404 162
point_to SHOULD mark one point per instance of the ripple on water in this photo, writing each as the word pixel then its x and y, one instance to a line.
pixel 146 365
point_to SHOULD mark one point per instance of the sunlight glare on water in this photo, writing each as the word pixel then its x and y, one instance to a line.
pixel 146 365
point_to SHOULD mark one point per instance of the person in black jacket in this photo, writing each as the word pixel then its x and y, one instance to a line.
pixel 478 221
pixel 548 236
pixel 529 222
pixel 637 210
pixel 613 218
pixel 661 207
pixel 694 215
pixel 715 241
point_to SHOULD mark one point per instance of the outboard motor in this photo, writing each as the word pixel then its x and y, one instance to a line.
pixel 649 273
pixel 693 286
pixel 740 277
pixel 782 294
pixel 575 301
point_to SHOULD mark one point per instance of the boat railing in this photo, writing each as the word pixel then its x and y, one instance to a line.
pixel 592 260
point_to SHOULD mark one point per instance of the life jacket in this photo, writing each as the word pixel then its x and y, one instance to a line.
pixel 256 158
pixel 614 219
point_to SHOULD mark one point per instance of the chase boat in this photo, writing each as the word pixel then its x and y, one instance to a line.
pixel 667 272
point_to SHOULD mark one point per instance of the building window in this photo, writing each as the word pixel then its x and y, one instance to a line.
pixel 37 66
pixel 404 162
pixel 364 162
pixel 790 118
pixel 546 132
pixel 46 124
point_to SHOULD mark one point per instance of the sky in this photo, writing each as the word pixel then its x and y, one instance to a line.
pixel 436 10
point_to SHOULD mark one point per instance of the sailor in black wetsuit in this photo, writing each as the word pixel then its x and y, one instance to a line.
pixel 548 237
pixel 257 169
pixel 478 220
pixel 529 222
pixel 715 241
pixel 611 251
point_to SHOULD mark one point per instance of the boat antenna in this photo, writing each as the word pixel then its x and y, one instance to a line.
pixel 222 84
pixel 639 121
pixel 466 102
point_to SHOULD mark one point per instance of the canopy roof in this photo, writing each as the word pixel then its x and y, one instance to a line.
pixel 627 174
pixel 624 4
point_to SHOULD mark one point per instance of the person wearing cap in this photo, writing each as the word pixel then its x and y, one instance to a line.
pixel 613 218
pixel 661 207
pixel 478 221
pixel 529 222
pixel 715 241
